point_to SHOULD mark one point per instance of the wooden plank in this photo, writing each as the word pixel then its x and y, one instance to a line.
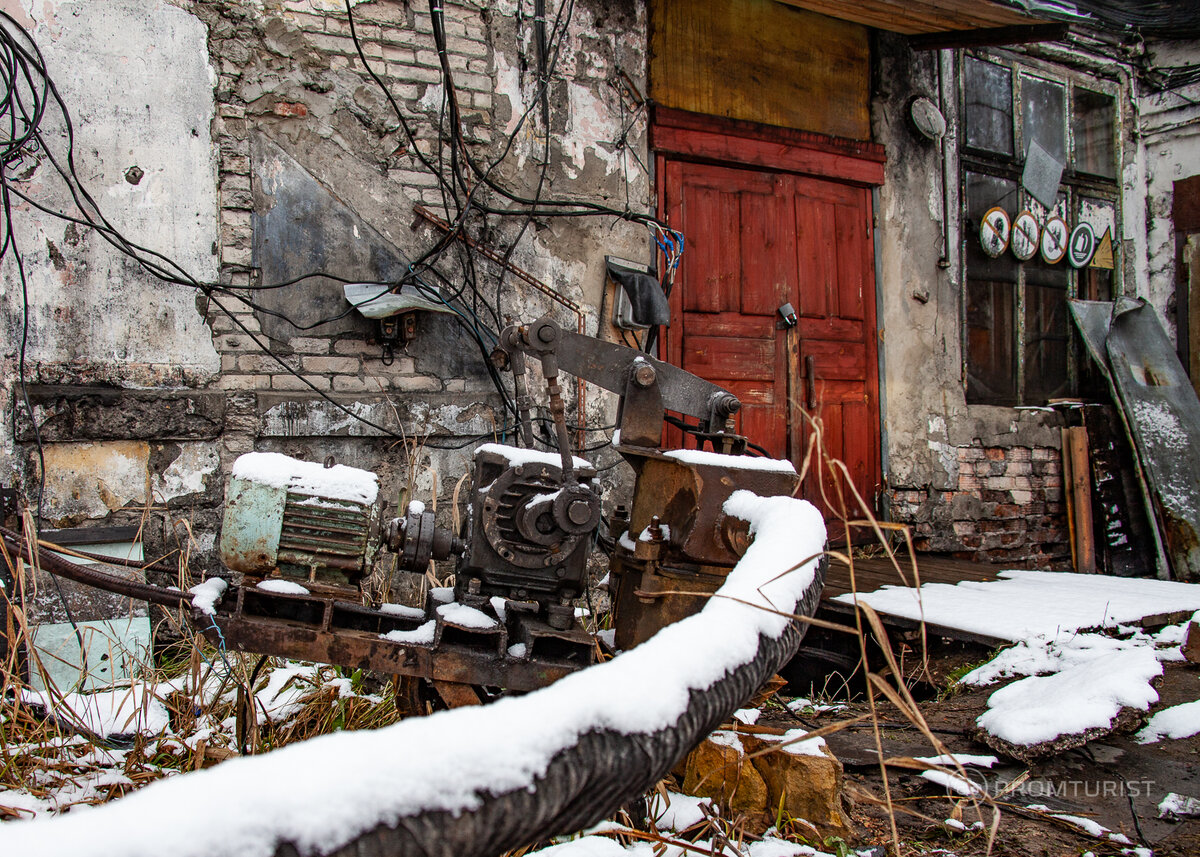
pixel 1019 35
pixel 456 695
pixel 844 613
pixel 1081 489
pixel 773 156
pixel 1069 496
pixel 763 62
pixel 870 574
pixel 917 16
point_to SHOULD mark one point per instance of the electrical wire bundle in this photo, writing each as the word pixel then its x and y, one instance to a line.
pixel 467 186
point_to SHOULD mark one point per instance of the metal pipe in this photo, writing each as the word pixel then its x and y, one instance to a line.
pixel 60 567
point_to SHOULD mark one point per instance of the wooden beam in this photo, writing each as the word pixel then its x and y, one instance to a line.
pixel 916 16
pixel 1019 35
pixel 1080 488
pixel 710 138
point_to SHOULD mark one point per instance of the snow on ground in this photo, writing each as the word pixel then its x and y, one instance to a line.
pixel 1089 696
pixel 804 705
pixel 1178 721
pixel 1092 828
pixel 604 846
pixel 1068 649
pixel 1073 682
pixel 342 784
pixel 1070 681
pixel 1026 604
pixel 123 711
pixel 675 811
pixel 1176 806
pixel 954 783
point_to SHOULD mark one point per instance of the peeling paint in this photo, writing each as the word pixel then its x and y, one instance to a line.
pixel 191 472
pixel 91 480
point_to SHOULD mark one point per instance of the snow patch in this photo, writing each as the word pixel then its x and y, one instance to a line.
pixel 206 595
pixel 1089 696
pixel 1178 721
pixel 465 617
pixel 305 477
pixel 345 783
pixel 281 587
pixel 1026 604
pixel 421 636
pixel 733 462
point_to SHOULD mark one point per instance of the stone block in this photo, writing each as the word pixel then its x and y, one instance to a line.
pixel 1191 643
pixel 719 769
pixel 759 775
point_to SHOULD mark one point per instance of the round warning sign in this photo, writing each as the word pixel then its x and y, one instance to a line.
pixel 1081 246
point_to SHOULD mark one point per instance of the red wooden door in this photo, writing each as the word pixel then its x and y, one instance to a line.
pixel 755 241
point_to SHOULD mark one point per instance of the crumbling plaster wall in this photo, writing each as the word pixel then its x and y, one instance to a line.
pixel 1169 125
pixel 137 81
pixel 978 481
pixel 223 80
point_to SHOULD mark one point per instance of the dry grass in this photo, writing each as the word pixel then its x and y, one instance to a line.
pixel 222 704
pixel 206 707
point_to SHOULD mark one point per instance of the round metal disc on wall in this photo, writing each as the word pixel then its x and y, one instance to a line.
pixel 1025 236
pixel 926 117
pixel 995 231
pixel 1081 246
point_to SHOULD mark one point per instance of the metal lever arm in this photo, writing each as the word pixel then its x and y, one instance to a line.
pixel 608 365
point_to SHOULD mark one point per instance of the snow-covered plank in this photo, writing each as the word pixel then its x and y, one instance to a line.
pixel 1026 604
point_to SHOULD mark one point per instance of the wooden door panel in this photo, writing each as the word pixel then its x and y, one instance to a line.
pixel 757 240
pixel 850 228
pixel 767 251
pixel 712 266
pixel 834 360
pixel 719 358
pixel 816 245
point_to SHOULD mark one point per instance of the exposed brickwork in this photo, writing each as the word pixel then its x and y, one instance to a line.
pixel 284 70
pixel 1007 508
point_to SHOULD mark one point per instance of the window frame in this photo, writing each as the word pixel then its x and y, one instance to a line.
pixel 1077 189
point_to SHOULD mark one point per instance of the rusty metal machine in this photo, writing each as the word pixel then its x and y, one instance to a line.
pixel 304 535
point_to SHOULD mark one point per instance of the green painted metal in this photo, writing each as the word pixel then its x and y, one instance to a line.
pixel 252 526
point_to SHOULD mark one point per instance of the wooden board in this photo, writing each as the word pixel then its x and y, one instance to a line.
pixel 761 61
pixel 918 16
pixel 870 574
pixel 1075 446
pixel 758 240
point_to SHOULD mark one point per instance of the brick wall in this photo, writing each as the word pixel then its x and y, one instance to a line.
pixel 1006 508
pixel 299 48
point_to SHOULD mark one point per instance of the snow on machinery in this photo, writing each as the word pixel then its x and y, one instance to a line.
pixel 303 536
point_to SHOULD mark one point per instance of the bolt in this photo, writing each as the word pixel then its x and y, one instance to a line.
pixel 656 531
pixel 644 375
pixel 580 512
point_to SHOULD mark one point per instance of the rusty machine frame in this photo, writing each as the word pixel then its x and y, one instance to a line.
pixel 520 558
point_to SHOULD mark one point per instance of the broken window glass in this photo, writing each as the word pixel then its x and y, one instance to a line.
pixel 1093 121
pixel 1043 116
pixel 1019 345
pixel 989 118
pixel 1047 331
